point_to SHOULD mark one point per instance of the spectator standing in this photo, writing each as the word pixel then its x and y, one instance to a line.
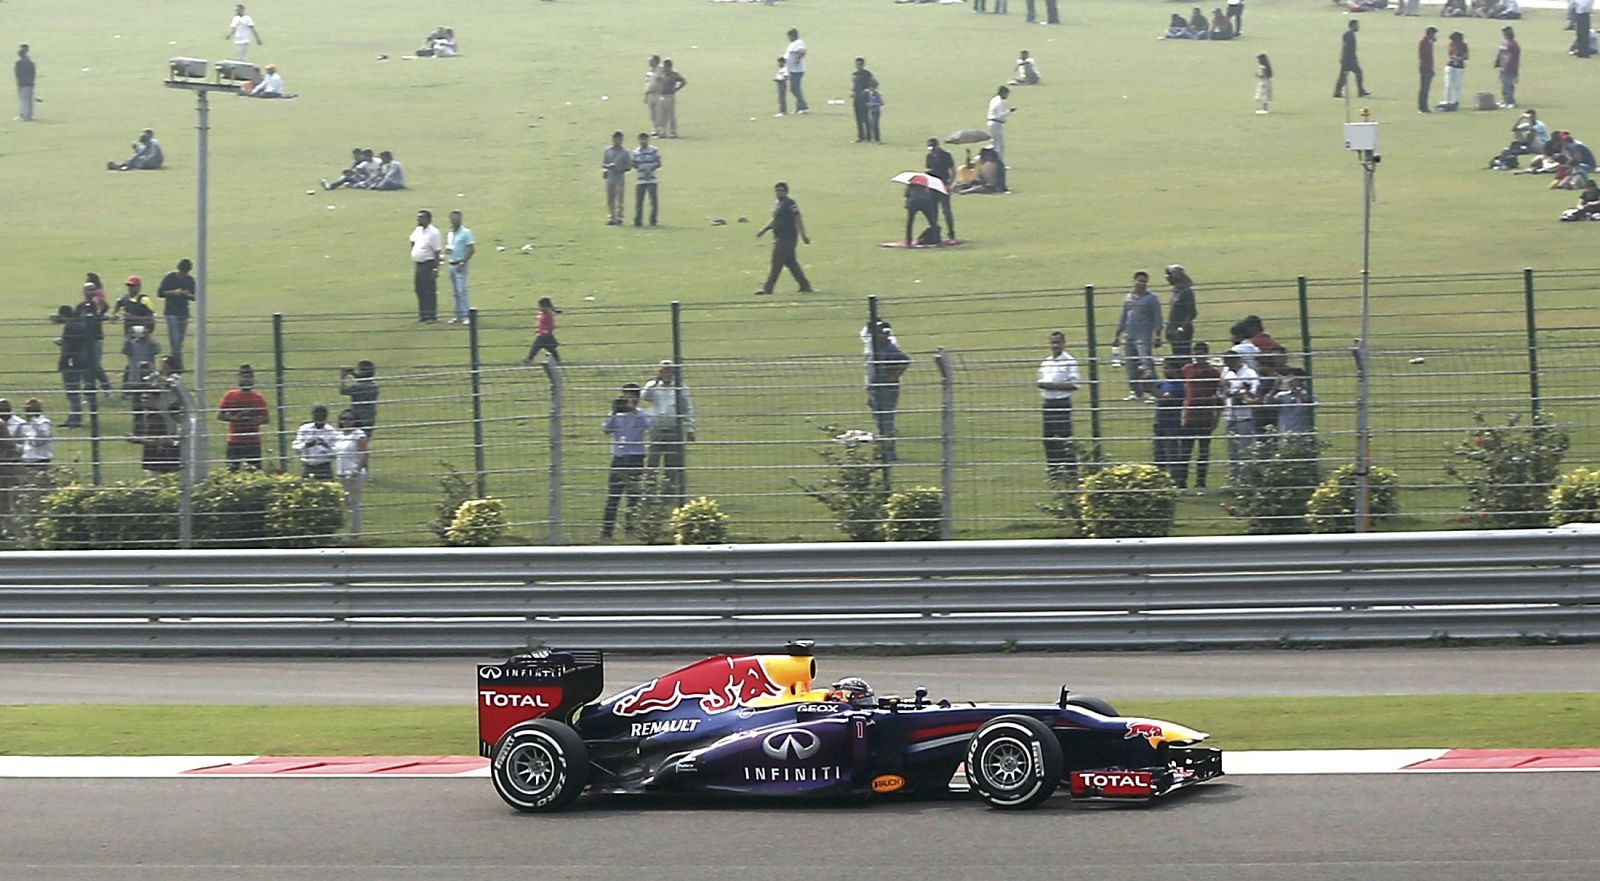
pixel 666 399
pixel 671 83
pixel 1168 426
pixel 426 246
pixel 1052 12
pixel 942 165
pixel 26 73
pixel 1136 333
pixel 35 435
pixel 361 387
pixel 140 349
pixel 314 442
pixel 646 161
pixel 998 114
pixel 242 29
pixel 782 79
pixel 350 465
pixel 1202 401
pixel 1455 70
pixel 615 163
pixel 1582 10
pixel 787 226
pixel 1348 63
pixel 1240 388
pixel 544 334
pixel 861 82
pixel 10 466
pixel 245 411
pixel 461 245
pixel 92 309
pixel 135 307
pixel 155 429
pixel 652 94
pixel 1296 406
pixel 1181 310
pixel 794 59
pixel 177 292
pixel 73 362
pixel 1509 62
pixel 874 114
pixel 1236 16
pixel 1058 379
pixel 885 363
pixel 1425 67
pixel 627 427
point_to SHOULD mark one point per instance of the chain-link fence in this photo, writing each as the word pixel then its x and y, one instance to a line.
pixel 772 384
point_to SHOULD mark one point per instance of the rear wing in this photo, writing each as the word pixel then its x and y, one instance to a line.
pixel 545 683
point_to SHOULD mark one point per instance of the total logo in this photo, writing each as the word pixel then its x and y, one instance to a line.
pixel 1102 781
pixel 791 744
pixel 492 698
pixel 663 726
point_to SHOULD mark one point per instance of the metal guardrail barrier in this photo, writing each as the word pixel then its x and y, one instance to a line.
pixel 1121 594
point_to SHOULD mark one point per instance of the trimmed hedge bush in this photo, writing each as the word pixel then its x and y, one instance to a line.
pixel 700 522
pixel 913 514
pixel 1576 499
pixel 1275 485
pixel 478 523
pixel 1332 507
pixel 1128 501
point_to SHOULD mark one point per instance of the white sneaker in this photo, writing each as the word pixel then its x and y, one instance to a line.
pixel 780 114
pixel 1261 112
pixel 1132 396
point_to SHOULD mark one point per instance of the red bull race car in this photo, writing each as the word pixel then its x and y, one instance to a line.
pixel 755 725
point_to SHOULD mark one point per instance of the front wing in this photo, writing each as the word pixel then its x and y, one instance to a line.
pixel 1185 767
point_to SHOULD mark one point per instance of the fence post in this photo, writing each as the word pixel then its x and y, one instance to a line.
pixel 477 405
pixel 277 369
pixel 94 434
pixel 1533 340
pixel 681 492
pixel 552 371
pixel 1093 342
pixel 947 445
pixel 1305 334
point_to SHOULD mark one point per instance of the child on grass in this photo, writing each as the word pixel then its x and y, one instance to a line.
pixel 1263 82
pixel 782 79
pixel 544 335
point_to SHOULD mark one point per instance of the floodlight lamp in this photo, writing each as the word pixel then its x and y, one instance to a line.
pixel 187 68
pixel 237 71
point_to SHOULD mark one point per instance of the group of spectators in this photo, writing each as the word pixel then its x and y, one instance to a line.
pixel 648 428
pixel 366 172
pixel 1220 26
pixel 1503 9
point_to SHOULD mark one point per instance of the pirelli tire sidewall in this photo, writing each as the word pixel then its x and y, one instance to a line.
pixel 540 766
pixel 1014 762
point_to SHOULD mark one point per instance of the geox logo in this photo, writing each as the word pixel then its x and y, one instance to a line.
pixel 664 726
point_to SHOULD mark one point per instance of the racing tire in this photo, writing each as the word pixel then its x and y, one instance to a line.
pixel 1094 704
pixel 540 766
pixel 1014 762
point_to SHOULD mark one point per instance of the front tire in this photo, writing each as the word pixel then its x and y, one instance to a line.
pixel 1014 762
pixel 540 766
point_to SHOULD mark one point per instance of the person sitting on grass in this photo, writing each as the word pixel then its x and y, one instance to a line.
pixel 1221 28
pixel 146 155
pixel 362 168
pixel 1199 28
pixel 270 86
pixel 1454 9
pixel 1177 29
pixel 1528 133
pixel 1588 207
pixel 390 175
pixel 1027 71
pixel 990 176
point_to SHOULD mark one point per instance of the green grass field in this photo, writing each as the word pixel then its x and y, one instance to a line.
pixel 1135 153
pixel 1519 720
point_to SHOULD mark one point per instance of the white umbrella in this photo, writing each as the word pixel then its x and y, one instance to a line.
pixel 920 179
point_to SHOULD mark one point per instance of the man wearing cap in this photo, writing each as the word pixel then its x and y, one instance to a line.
pixel 245 411
pixel 135 307
pixel 25 75
pixel 666 400
pixel 271 85
pixel 426 246
pixel 177 292
pixel 942 165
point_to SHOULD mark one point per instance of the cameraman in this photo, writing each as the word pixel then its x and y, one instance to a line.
pixel 627 428
pixel 360 385
pixel 1241 391
pixel 314 442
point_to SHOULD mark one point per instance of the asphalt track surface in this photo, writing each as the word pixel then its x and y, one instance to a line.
pixel 1032 677
pixel 1417 826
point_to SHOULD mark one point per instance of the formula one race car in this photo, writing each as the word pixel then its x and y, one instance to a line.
pixel 753 725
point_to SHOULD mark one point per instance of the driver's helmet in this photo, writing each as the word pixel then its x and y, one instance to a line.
pixel 851 690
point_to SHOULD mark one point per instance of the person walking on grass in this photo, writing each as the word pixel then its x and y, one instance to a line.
pixel 1263 82
pixel 242 29
pixel 1349 63
pixel 26 73
pixel 786 226
pixel 544 334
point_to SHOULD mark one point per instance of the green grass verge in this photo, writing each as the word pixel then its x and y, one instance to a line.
pixel 1462 721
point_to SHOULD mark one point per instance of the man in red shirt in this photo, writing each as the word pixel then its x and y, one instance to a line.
pixel 245 411
pixel 1509 62
pixel 1425 67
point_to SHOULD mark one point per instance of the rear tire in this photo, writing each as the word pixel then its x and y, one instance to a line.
pixel 540 766
pixel 1014 762
pixel 1089 702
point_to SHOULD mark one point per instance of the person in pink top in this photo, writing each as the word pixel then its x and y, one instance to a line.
pixel 544 334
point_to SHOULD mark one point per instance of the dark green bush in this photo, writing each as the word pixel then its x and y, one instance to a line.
pixel 914 514
pixel 1275 485
pixel 304 513
pixel 1332 507
pixel 1508 471
pixel 1576 499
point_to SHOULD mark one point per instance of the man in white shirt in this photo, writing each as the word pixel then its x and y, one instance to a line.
pixel 35 435
pixel 271 85
pixel 426 246
pixel 671 412
pixel 314 442
pixel 242 29
pixel 998 114
pixel 1241 389
pixel 652 94
pixel 794 59
pixel 1058 379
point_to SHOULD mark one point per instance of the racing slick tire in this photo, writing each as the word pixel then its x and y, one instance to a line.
pixel 540 766
pixel 1089 702
pixel 1014 762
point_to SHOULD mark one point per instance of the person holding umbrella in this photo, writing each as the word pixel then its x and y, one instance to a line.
pixel 919 200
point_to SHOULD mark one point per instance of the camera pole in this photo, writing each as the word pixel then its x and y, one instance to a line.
pixel 1363 514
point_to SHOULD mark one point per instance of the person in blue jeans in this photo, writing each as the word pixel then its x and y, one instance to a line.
pixel 1137 329
pixel 459 247
pixel 1168 427
pixel 627 428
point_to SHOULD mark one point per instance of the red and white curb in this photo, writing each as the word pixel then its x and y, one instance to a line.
pixel 1238 763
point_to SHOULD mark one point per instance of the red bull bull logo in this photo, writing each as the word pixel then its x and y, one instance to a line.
pixel 1143 729
pixel 719 684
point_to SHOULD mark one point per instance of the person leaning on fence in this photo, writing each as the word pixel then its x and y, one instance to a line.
pixel 350 464
pixel 1202 402
pixel 885 363
pixel 361 387
pixel 245 411
pixel 627 427
pixel 1058 379
pixel 314 442
pixel 666 400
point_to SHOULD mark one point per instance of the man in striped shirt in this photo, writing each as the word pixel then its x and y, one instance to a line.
pixel 646 160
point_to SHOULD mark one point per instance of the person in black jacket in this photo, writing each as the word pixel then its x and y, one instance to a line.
pixel 861 82
pixel 942 165
pixel 1181 311
pixel 73 362
pixel 1348 64
pixel 919 200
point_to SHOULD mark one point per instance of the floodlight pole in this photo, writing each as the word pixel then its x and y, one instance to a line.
pixel 1363 512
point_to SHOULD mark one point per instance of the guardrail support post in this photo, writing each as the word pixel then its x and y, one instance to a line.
pixel 553 372
pixel 277 370
pixel 1533 340
pixel 947 445
pixel 1093 342
pixel 477 405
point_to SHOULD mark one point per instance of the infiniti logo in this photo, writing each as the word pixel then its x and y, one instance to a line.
pixel 791 743
pixel 488 671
